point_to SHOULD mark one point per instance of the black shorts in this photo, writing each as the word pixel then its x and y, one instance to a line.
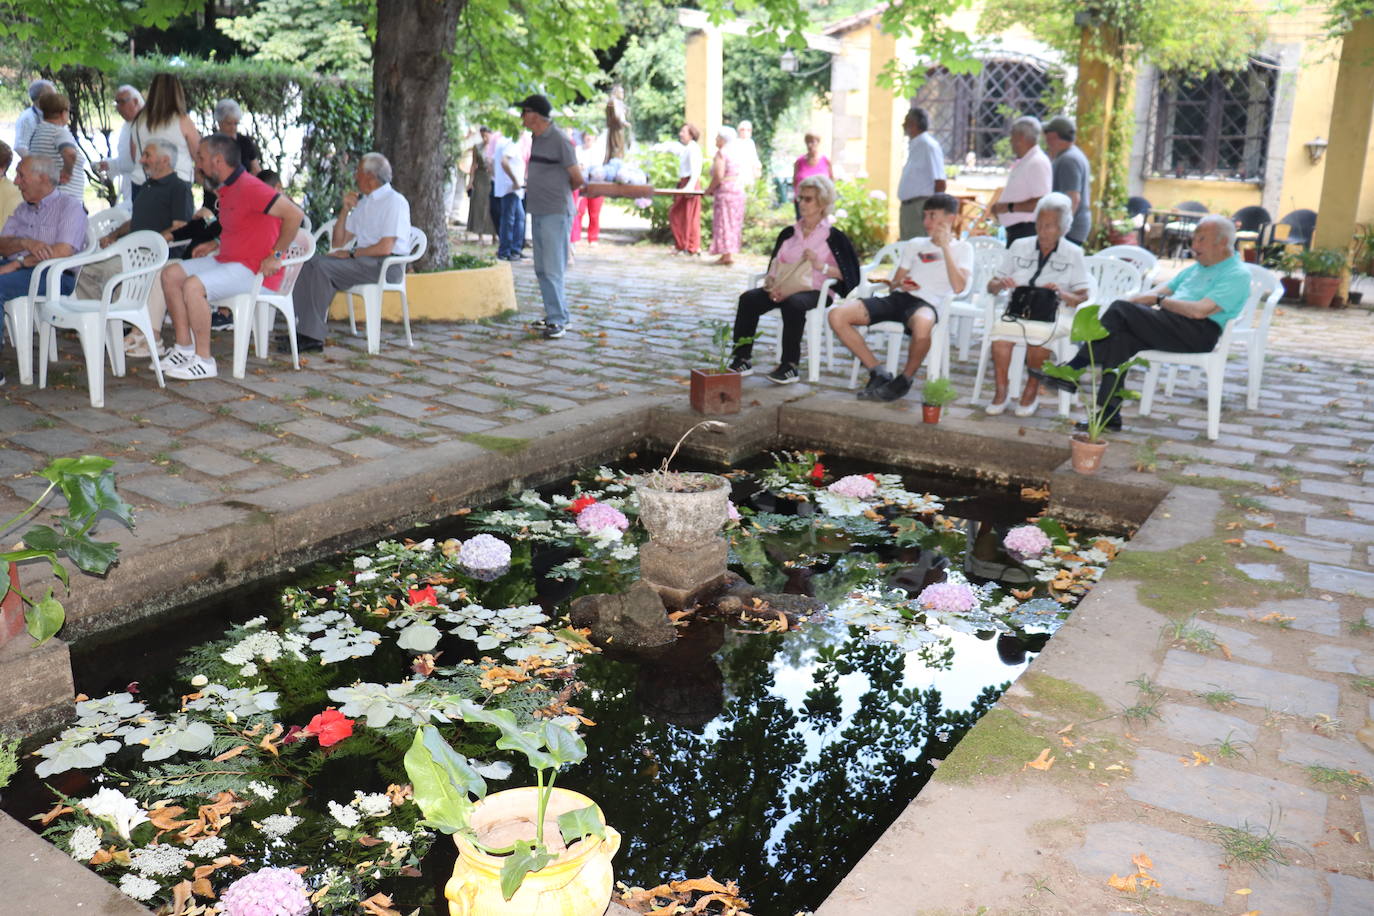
pixel 898 307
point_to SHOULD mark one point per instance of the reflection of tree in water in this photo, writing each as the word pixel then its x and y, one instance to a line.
pixel 785 802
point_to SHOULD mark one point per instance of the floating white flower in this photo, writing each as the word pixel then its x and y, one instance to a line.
pixel 277 826
pixel 208 847
pixel 84 843
pixel 262 790
pixel 160 860
pixel 117 808
pixel 346 815
pixel 377 804
pixel 394 836
pixel 138 887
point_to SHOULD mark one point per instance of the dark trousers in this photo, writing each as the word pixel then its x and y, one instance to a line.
pixel 511 227
pixel 756 302
pixel 1133 327
pixel 1020 231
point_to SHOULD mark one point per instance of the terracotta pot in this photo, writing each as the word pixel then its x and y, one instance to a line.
pixel 1087 456
pixel 577 883
pixel 1250 255
pixel 930 413
pixel 1319 291
pixel 11 609
pixel 715 392
pixel 1292 287
pixel 687 517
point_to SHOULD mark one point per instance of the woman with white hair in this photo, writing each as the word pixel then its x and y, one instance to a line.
pixel 727 213
pixel 228 116
pixel 1050 268
pixel 791 287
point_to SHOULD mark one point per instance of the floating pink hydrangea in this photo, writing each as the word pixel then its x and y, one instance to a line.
pixel 732 510
pixel 484 553
pixel 948 597
pixel 266 892
pixel 1026 542
pixel 599 516
pixel 855 485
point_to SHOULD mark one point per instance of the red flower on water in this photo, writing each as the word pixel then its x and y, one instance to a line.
pixel 330 726
pixel 423 597
pixel 818 473
pixel 292 735
pixel 581 503
pixel 872 477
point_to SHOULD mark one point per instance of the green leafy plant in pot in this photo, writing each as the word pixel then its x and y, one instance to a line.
pixel 936 394
pixel 510 861
pixel 89 487
pixel 1087 447
pixel 716 389
pixel 1322 269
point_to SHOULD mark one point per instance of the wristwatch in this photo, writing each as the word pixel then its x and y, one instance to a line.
pixel 1159 300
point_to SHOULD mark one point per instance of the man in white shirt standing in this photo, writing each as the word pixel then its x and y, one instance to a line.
pixel 1027 182
pixel 30 117
pixel 508 186
pixel 923 174
pixel 128 102
pixel 930 271
pixel 374 223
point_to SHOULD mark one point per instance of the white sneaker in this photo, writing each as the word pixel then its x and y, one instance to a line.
pixel 198 368
pixel 993 410
pixel 179 357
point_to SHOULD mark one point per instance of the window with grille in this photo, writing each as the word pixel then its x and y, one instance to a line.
pixel 1216 126
pixel 972 112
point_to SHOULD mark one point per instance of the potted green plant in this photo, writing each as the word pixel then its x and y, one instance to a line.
pixel 935 395
pixel 1120 226
pixel 1322 269
pixel 1287 263
pixel 89 487
pixel 1087 447
pixel 1362 257
pixel 716 390
pixel 526 851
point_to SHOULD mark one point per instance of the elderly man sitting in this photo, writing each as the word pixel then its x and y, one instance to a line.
pixel 47 225
pixel 259 227
pixel 373 224
pixel 164 206
pixel 1185 315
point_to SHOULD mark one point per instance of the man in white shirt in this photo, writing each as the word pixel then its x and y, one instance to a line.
pixel 128 102
pixel 373 224
pixel 508 186
pixel 30 117
pixel 1027 182
pixel 930 271
pixel 922 176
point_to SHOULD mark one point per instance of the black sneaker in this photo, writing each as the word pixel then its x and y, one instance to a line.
pixel 741 365
pixel 1058 384
pixel 303 344
pixel 897 387
pixel 553 331
pixel 785 374
pixel 537 324
pixel 877 377
pixel 1113 424
pixel 220 321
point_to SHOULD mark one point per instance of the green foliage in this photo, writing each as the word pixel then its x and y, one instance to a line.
pixel 651 69
pixel 939 392
pixel 466 261
pixel 324 35
pixel 1087 328
pixel 1324 262
pixel 9 759
pixel 59 33
pixel 763 219
pixel 936 43
pixel 661 167
pixel 861 216
pixel 756 89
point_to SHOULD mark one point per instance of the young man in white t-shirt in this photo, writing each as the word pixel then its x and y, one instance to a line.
pixel 930 271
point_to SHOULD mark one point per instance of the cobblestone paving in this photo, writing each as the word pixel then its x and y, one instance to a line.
pixel 1299 470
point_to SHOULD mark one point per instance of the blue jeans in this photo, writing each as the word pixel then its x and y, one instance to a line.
pixel 14 285
pixel 551 242
pixel 510 230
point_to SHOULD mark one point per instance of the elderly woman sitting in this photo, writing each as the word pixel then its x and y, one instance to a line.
pixel 811 241
pixel 1049 261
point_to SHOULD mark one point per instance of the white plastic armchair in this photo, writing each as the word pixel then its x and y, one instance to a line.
pixel 937 360
pixel 20 312
pixel 1144 261
pixel 99 225
pixel 253 318
pixel 1112 279
pixel 815 329
pixel 99 323
pixel 371 293
pixel 968 308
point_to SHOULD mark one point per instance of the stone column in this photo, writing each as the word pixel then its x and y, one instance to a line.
pixel 705 84
pixel 1099 51
pixel 1347 155
pixel 886 143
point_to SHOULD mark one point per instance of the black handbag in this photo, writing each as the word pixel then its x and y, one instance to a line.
pixel 1031 302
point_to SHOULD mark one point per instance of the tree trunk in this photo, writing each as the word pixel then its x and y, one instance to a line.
pixel 411 66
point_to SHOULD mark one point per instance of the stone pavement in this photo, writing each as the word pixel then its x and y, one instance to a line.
pixel 1265 605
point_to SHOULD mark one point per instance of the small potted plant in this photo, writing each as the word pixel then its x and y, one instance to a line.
pixel 1322 269
pixel 935 395
pixel 1087 447
pixel 1287 263
pixel 716 390
pixel 1362 257
pixel 532 850
pixel 1120 227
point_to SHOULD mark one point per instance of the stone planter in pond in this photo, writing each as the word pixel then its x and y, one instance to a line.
pixel 447 295
pixel 683 508
pixel 577 883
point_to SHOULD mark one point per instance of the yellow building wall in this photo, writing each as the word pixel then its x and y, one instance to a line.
pixel 1216 196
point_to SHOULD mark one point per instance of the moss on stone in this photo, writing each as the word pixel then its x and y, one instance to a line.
pixel 1201 575
pixel 1000 743
pixel 503 444
pixel 1062 698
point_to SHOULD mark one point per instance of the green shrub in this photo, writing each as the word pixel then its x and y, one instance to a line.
pixel 861 216
pixel 1324 262
pixel 465 261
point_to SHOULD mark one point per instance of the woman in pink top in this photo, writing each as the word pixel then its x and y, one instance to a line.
pixel 727 215
pixel 830 255
pixel 813 163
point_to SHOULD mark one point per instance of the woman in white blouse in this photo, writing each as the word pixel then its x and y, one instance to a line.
pixel 1050 261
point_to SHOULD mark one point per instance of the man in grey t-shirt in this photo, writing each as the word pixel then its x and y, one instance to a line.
pixel 1071 175
pixel 552 177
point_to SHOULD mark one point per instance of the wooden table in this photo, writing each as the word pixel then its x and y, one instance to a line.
pixel 634 191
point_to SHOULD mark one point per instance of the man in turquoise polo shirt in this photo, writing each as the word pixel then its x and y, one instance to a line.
pixel 1185 315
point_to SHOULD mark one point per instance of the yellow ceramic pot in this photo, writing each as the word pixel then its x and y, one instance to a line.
pixel 577 883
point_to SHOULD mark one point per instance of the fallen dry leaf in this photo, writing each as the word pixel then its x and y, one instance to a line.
pixel 1243 892
pixel 1142 861
pixel 1236 541
pixel 1043 762
pixel 1272 546
pixel 378 905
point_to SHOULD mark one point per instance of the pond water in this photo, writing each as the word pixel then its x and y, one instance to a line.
pixel 771 758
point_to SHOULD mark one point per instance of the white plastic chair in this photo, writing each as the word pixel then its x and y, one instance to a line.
pixel 1254 334
pixel 816 327
pixel 253 318
pixel 1113 279
pixel 968 308
pixel 371 293
pixel 1262 283
pixel 99 323
pixel 99 225
pixel 937 360
pixel 19 317
pixel 1144 261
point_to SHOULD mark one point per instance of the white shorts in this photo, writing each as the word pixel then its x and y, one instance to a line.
pixel 222 279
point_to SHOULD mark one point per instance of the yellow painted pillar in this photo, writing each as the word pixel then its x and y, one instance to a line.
pixel 1348 137
pixel 886 152
pixel 1098 49
pixel 705 83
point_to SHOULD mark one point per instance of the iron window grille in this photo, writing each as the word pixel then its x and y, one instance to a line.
pixel 1214 126
pixel 972 112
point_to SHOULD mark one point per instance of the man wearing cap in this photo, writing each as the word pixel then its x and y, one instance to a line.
pixel 30 117
pixel 1071 175
pixel 552 177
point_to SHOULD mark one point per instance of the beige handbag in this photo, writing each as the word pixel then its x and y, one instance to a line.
pixel 790 278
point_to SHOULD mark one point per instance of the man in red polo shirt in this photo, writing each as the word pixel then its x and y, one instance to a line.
pixel 259 226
